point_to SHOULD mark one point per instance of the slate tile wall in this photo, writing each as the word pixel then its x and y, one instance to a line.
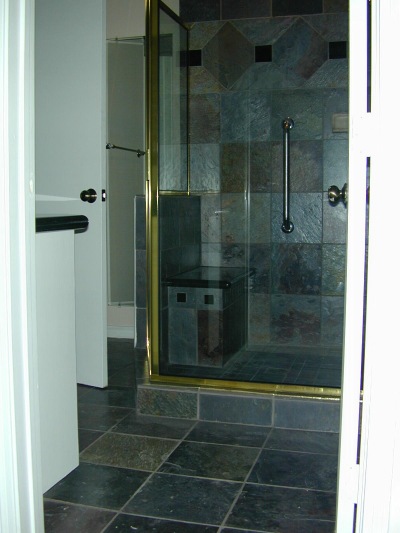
pixel 257 63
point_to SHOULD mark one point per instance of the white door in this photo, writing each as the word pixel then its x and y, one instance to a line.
pixel 70 155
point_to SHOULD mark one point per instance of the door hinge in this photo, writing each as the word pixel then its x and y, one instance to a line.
pixel 103 195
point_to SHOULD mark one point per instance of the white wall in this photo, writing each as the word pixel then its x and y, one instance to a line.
pixel 126 171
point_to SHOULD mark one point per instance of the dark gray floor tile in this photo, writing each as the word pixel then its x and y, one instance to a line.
pixel 113 396
pixel 234 530
pixel 211 460
pixel 129 451
pixel 120 362
pixel 81 391
pixel 283 510
pixel 121 352
pixel 196 500
pixel 100 417
pixel 154 426
pixel 87 437
pixel 295 469
pixel 233 434
pixel 306 526
pixel 97 485
pixel 68 518
pixel 142 524
pixel 122 378
pixel 303 441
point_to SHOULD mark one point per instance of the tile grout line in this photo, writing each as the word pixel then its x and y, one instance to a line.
pixel 223 524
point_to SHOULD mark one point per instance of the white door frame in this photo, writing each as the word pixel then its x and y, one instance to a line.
pixel 369 488
pixel 379 492
pixel 379 482
pixel 21 506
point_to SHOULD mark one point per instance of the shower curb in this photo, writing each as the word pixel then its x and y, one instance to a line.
pixel 260 409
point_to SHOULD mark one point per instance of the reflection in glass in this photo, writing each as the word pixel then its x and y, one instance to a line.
pixel 173 94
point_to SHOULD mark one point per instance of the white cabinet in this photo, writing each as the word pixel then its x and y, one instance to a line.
pixel 57 355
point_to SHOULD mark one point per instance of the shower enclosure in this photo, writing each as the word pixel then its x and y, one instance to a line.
pixel 247 131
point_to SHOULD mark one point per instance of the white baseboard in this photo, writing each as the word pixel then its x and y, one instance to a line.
pixel 120 332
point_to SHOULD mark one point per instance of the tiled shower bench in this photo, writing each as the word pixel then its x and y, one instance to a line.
pixel 206 315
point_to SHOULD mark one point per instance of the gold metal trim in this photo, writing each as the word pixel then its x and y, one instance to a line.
pixel 248 386
pixel 152 254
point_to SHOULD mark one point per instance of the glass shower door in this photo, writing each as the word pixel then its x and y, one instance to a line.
pixel 242 303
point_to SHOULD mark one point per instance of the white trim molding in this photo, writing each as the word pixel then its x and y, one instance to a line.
pixel 21 508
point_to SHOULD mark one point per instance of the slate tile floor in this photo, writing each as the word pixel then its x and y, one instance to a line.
pixel 304 366
pixel 150 474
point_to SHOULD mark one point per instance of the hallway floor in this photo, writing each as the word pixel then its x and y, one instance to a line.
pixel 150 474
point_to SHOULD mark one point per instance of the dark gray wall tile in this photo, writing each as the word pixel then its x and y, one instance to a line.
pixel 167 402
pixel 317 415
pixel 294 7
pixel 333 269
pixel 236 409
pixel 228 55
pixel 306 215
pixel 296 320
pixel 141 276
pixel 195 11
pixel 205 118
pixel 234 167
pixel 301 50
pixel 296 269
pixel 236 9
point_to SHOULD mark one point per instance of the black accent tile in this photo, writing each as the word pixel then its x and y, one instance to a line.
pixel 98 486
pixel 195 58
pixel 263 53
pixel 338 50
pixel 181 297
pixel 294 7
pixel 141 524
pixel 295 469
pixel 194 499
pixel 210 460
pixel 284 510
pixel 67 518
pixel 209 299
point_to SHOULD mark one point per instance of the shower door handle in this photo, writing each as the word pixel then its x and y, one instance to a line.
pixel 335 194
pixel 287 225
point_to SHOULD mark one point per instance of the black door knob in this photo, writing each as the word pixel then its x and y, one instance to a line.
pixel 89 196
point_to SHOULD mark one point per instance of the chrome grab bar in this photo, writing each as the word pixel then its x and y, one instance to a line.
pixel 111 146
pixel 287 125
